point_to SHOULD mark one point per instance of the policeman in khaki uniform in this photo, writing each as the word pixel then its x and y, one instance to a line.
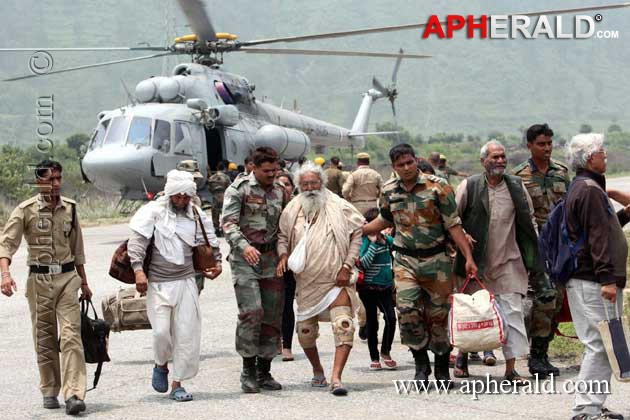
pixel 363 186
pixel 251 212
pixel 422 208
pixel 546 181
pixel 217 184
pixel 50 226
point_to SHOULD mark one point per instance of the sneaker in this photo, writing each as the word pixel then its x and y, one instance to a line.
pixel 489 359
pixel 376 366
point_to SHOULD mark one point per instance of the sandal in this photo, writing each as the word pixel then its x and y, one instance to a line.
pixel 180 395
pixel 516 379
pixel 461 366
pixel 389 364
pixel 287 356
pixel 338 390
pixel 376 366
pixel 159 381
pixel 319 382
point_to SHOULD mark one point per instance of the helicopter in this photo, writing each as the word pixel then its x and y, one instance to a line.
pixel 203 113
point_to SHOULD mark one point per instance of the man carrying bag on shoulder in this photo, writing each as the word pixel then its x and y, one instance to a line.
pixel 172 295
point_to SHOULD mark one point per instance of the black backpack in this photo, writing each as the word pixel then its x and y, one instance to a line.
pixel 95 338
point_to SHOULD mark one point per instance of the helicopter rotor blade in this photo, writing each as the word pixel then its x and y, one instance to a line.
pixel 378 86
pixel 382 29
pixel 89 49
pixel 396 67
pixel 87 66
pixel 198 18
pixel 292 51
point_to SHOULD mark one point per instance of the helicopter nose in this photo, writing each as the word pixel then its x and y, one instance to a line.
pixel 116 169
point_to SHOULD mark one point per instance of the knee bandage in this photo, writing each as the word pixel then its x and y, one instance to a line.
pixel 342 325
pixel 307 332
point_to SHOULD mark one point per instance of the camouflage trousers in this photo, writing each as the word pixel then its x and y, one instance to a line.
pixel 546 305
pixel 422 303
pixel 217 205
pixel 260 303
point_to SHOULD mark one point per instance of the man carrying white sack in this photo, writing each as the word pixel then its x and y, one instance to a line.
pixel 172 296
pixel 332 228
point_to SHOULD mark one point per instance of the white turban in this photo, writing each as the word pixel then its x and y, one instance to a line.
pixel 180 182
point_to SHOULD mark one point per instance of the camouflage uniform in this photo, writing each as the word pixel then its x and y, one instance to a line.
pixel 250 217
pixel 545 190
pixel 423 284
pixel 217 184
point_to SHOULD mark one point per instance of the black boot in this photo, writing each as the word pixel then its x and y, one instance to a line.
pixel 537 356
pixel 442 375
pixel 263 375
pixel 249 384
pixel 423 366
pixel 550 368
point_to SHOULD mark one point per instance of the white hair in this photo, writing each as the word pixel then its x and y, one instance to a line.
pixel 310 167
pixel 484 149
pixel 581 148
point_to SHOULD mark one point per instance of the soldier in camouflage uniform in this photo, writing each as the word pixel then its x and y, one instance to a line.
pixel 422 208
pixel 251 212
pixel 217 184
pixel 546 181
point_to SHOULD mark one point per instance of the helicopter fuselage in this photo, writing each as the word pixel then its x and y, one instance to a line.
pixel 133 147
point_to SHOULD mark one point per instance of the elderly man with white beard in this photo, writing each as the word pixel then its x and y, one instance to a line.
pixel 170 226
pixel 331 228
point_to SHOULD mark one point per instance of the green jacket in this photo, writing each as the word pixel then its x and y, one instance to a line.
pixel 476 220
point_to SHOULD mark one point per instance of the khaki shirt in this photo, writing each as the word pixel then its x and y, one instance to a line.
pixel 50 236
pixel 364 184
pixel 335 180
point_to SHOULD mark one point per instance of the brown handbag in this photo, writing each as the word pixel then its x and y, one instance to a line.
pixel 120 267
pixel 203 255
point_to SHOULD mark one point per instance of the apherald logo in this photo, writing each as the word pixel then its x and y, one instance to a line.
pixel 514 26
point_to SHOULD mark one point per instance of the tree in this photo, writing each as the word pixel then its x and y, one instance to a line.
pixel 614 128
pixel 586 128
pixel 75 142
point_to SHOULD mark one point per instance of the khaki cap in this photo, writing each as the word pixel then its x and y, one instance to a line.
pixel 190 166
pixel 363 155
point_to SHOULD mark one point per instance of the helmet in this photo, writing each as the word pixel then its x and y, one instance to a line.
pixel 232 166
pixel 319 161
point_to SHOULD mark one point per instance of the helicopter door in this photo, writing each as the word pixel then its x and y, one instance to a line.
pixel 214 147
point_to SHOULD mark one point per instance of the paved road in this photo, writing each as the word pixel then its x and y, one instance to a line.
pixel 125 391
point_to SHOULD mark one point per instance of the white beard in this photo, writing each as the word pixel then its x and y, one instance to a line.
pixel 312 202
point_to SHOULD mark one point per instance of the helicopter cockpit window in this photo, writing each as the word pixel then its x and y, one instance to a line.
pixel 140 131
pixel 117 131
pixel 99 134
pixel 162 136
pixel 224 92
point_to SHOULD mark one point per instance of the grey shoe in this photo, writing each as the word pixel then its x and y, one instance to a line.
pixel 74 406
pixel 51 402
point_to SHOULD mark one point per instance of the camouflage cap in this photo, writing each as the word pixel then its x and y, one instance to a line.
pixel 190 166
pixel 363 155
